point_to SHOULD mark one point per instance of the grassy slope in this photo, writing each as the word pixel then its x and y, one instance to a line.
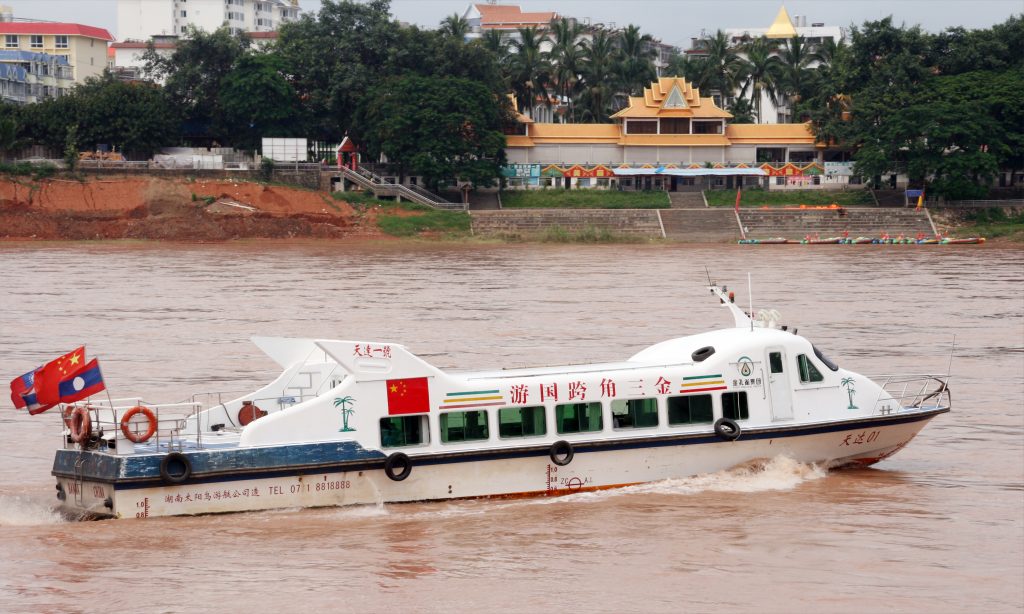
pixel 583 199
pixel 757 198
pixel 425 219
pixel 991 224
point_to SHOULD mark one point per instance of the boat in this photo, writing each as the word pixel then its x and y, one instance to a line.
pixel 963 241
pixel 361 422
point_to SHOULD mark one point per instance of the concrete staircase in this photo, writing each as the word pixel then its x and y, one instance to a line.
pixel 368 180
pixel 686 200
pixel 859 221
pixel 700 225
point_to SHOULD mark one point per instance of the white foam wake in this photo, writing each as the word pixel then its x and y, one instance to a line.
pixel 778 473
pixel 18 511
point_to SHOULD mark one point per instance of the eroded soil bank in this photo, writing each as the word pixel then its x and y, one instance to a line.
pixel 174 209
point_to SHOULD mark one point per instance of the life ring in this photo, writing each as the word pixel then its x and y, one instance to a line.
pixel 401 461
pixel 249 413
pixel 126 423
pixel 175 468
pixel 727 429
pixel 561 453
pixel 80 424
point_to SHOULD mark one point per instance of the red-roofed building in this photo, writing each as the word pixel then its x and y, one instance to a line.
pixel 84 47
pixel 507 18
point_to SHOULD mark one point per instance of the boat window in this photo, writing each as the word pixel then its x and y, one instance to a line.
pixel 578 417
pixel 808 372
pixel 403 431
pixel 825 359
pixel 775 360
pixel 634 413
pixel 690 409
pixel 521 422
pixel 734 406
pixel 459 426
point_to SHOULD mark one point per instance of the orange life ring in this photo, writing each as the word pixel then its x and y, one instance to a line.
pixel 80 424
pixel 126 422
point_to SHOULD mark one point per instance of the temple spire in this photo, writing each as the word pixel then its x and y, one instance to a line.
pixel 782 27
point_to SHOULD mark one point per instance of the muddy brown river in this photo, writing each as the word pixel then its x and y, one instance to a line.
pixel 939 527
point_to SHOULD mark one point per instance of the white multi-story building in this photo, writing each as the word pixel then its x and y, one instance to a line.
pixel 140 20
pixel 785 27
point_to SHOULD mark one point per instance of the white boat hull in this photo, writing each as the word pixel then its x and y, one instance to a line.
pixel 436 477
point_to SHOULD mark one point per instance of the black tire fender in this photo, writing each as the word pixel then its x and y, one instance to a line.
pixel 398 466
pixel 561 453
pixel 175 468
pixel 727 429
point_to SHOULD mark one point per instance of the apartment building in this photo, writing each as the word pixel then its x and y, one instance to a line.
pixel 27 77
pixel 140 20
pixel 83 48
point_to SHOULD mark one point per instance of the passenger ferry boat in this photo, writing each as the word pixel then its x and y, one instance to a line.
pixel 352 422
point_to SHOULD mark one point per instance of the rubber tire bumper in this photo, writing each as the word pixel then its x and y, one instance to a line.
pixel 561 453
pixel 727 429
pixel 175 468
pixel 398 460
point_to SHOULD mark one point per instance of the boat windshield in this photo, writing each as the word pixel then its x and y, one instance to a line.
pixel 825 359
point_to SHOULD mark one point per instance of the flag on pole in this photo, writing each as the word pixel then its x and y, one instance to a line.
pixel 83 383
pixel 22 386
pixel 920 199
pixel 49 376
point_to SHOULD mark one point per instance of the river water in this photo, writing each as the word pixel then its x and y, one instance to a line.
pixel 938 527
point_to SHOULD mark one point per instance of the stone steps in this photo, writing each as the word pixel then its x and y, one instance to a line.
pixel 526 223
pixel 856 221
pixel 700 225
pixel 686 200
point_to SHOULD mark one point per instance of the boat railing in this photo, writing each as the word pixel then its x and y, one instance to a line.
pixel 912 392
pixel 171 418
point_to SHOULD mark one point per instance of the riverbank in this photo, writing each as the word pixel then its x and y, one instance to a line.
pixel 190 209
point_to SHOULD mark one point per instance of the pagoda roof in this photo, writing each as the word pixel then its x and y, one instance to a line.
pixel 671 97
pixel 510 16
pixel 789 134
pixel 782 27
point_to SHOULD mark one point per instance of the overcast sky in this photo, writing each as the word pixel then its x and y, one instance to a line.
pixel 673 21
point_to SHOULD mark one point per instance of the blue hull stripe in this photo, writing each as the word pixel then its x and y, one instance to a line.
pixel 236 465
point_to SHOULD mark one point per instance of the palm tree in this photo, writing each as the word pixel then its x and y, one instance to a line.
pixel 691 68
pixel 455 26
pixel 742 111
pixel 566 56
pixel 529 67
pixel 636 60
pixel 795 57
pixel 493 41
pixel 762 73
pixel 848 382
pixel 345 412
pixel 599 78
pixel 725 67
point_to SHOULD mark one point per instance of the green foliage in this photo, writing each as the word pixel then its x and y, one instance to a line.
pixel 25 169
pixel 71 147
pixel 195 76
pixel 267 169
pixel 757 197
pixel 993 223
pixel 440 128
pixel 258 101
pixel 583 199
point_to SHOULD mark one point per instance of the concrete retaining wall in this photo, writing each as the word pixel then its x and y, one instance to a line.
pixel 525 223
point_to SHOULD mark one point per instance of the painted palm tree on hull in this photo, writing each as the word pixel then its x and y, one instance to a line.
pixel 345 413
pixel 847 382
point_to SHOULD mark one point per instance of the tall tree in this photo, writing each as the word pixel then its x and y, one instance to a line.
pixel 194 74
pixel 438 128
pixel 529 67
pixel 455 26
pixel 599 78
pixel 567 56
pixel 796 78
pixel 692 68
pixel 259 102
pixel 762 74
pixel 724 65
pixel 636 60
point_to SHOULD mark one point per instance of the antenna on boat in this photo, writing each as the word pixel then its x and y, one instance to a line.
pixel 750 294
pixel 949 367
pixel 708 273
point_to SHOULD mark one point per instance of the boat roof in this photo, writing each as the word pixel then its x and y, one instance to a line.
pixel 559 370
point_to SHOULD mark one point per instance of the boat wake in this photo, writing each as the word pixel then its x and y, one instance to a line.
pixel 778 473
pixel 18 511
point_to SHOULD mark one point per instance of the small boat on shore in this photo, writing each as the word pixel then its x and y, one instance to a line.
pixel 357 422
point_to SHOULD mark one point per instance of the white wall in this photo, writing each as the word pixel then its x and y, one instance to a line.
pixel 141 19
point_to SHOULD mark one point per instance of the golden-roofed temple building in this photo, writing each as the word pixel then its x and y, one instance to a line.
pixel 670 125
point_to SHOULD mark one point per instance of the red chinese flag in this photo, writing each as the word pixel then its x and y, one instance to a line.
pixel 50 375
pixel 408 396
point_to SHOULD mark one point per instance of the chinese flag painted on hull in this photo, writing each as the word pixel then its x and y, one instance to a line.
pixel 408 396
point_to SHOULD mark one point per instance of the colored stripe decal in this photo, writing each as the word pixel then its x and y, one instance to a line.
pixel 463 399
pixel 688 390
pixel 461 394
pixel 716 375
pixel 471 405
pixel 711 383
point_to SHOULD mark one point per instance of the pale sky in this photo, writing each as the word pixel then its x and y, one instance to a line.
pixel 673 21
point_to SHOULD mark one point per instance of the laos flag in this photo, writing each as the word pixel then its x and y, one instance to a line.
pixel 80 384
